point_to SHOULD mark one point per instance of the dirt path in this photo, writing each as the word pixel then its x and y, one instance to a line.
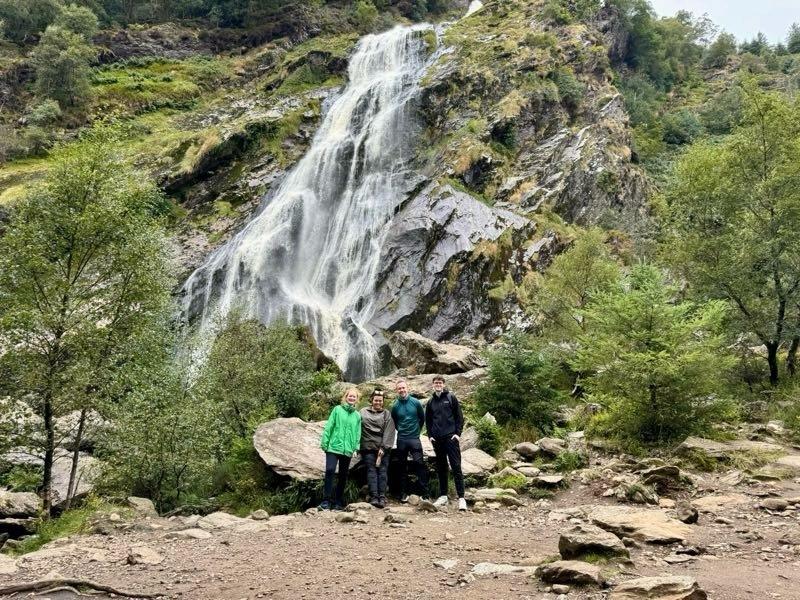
pixel 309 557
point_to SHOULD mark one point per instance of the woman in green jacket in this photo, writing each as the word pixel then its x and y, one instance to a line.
pixel 340 439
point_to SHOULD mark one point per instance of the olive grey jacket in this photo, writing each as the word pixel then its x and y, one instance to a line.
pixel 377 429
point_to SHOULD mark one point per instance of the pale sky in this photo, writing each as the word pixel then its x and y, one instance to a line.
pixel 742 18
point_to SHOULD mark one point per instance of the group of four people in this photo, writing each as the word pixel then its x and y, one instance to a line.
pixel 374 432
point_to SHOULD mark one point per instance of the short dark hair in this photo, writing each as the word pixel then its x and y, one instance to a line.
pixel 438 378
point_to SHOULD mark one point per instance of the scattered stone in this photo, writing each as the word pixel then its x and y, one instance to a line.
pixel 560 588
pixel 570 572
pixel 651 526
pixel 666 503
pixel 486 568
pixel 664 478
pixel 143 555
pixel 715 503
pixel 359 506
pixel 677 559
pixel 427 506
pixel 585 538
pixel 414 500
pixel 344 517
pixel 659 588
pixel 686 513
pixel 528 470
pixel 776 504
pixel 446 564
pixel 507 472
pixel 19 504
pixel 395 518
pixel 223 520
pixel 192 534
pixel 259 515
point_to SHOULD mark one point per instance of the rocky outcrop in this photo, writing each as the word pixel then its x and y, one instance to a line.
pixel 569 572
pixel 419 354
pixel 431 277
pixel 476 462
pixel 87 471
pixel 19 504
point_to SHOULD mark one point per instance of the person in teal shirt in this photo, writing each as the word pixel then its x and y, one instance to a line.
pixel 340 440
pixel 409 417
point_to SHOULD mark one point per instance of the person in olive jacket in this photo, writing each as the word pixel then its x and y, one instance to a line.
pixel 444 422
pixel 377 438
pixel 340 440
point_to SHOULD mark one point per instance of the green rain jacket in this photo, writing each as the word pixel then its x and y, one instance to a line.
pixel 342 433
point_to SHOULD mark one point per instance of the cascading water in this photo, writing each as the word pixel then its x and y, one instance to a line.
pixel 311 255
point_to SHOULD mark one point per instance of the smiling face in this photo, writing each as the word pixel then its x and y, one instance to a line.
pixel 402 389
pixel 351 397
pixel 377 401
pixel 438 386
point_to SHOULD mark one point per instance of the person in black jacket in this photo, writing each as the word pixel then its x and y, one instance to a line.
pixel 444 421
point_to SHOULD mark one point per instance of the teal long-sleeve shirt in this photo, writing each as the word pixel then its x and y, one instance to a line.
pixel 408 416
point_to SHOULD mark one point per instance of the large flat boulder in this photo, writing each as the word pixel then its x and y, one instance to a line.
pixel 659 588
pixel 290 447
pixel 419 354
pixel 652 526
pixel 722 450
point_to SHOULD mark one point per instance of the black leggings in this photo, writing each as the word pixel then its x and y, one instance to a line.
pixel 331 460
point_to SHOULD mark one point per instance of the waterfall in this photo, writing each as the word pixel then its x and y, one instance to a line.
pixel 311 255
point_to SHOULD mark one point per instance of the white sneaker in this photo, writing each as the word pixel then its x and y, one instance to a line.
pixel 440 501
pixel 462 504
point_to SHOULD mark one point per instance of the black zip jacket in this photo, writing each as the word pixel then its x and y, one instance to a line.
pixel 443 416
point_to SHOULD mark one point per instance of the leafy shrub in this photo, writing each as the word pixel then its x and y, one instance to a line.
pixel 513 482
pixel 557 12
pixel 489 436
pixel 568 461
pixel 570 90
pixel 540 39
pixel 519 387
pixel 681 127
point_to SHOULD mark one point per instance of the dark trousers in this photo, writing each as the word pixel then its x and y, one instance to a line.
pixel 376 475
pixel 331 461
pixel 413 447
pixel 448 449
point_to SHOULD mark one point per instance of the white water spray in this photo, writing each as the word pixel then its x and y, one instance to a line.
pixel 311 256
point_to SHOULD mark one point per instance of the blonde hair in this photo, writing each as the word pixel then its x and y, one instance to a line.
pixel 347 391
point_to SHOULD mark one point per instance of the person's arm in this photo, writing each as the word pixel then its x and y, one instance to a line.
pixel 420 415
pixel 428 417
pixel 457 415
pixel 329 426
pixel 358 432
pixel 387 441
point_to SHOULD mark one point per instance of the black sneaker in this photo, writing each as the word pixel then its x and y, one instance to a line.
pixel 325 505
pixel 376 502
pixel 383 502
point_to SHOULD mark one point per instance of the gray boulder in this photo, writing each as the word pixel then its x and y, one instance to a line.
pixel 584 539
pixel 551 447
pixel 87 471
pixel 291 447
pixel 419 354
pixel 19 504
pixel 659 588
pixel 652 526
pixel 476 462
pixel 527 450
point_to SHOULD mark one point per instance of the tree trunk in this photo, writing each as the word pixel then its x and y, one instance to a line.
pixel 73 483
pixel 49 453
pixel 772 360
pixel 791 357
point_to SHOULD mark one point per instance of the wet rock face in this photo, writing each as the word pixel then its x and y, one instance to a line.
pixel 422 355
pixel 429 280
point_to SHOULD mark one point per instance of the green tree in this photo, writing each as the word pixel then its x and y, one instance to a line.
pixel 654 363
pixel 793 39
pixel 572 280
pixel 718 52
pixel 21 20
pixel 61 61
pixel 254 373
pixel 519 384
pixel 78 19
pixel 735 209
pixel 82 278
pixel 758 46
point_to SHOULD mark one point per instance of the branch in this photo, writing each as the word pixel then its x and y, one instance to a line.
pixel 47 584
